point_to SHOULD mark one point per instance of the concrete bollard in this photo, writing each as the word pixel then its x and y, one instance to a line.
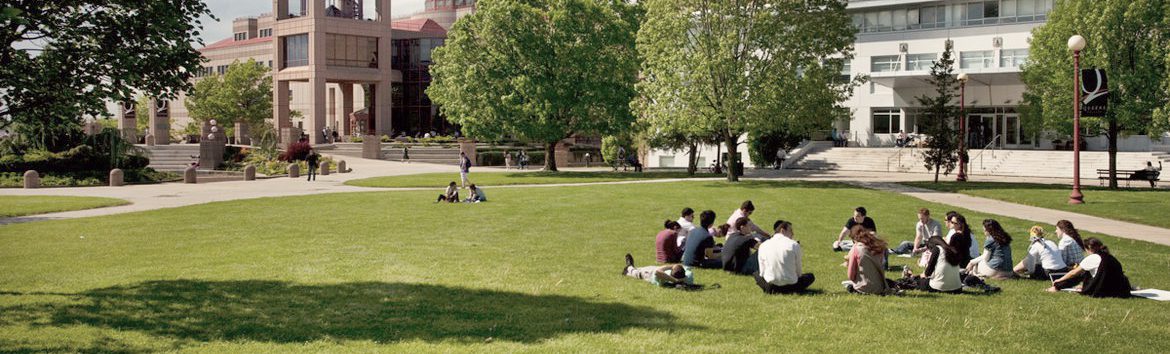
pixel 249 173
pixel 294 170
pixel 341 167
pixel 117 178
pixel 149 139
pixel 189 175
pixel 32 179
pixel 324 168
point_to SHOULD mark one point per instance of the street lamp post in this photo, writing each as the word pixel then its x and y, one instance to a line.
pixel 962 176
pixel 1076 43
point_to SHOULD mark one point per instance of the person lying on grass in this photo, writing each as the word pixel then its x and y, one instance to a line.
pixel 451 195
pixel 1098 275
pixel 667 276
pixel 780 263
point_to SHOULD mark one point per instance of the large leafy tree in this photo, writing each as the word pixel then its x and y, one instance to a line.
pixel 745 65
pixel 539 70
pixel 937 119
pixel 1130 39
pixel 243 94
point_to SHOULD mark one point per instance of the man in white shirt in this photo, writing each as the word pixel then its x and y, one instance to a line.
pixel 745 210
pixel 781 264
pixel 923 230
pixel 686 224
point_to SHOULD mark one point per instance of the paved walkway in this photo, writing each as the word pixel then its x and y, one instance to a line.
pixel 170 195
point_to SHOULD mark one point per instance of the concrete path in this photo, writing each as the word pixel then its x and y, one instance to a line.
pixel 1048 216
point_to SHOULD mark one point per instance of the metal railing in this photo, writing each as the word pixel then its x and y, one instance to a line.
pixel 898 155
pixel 990 146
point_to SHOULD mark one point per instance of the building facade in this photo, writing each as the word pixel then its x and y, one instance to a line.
pixel 445 12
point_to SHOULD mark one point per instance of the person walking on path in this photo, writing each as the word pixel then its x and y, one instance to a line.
pixel 405 154
pixel 464 168
pixel 507 160
pixel 311 160
pixel 780 157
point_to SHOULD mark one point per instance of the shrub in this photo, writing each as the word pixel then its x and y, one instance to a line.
pixel 296 151
pixel 355 139
pixel 490 158
pixel 385 139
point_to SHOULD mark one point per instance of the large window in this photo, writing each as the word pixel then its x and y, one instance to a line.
pixel 296 50
pixel 980 59
pixel 885 63
pixel 1013 58
pixel 917 62
pixel 887 121
pixel 351 51
pixel 967 13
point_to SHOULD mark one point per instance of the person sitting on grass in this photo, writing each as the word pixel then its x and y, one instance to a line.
pixel 476 195
pixel 960 238
pixel 996 260
pixel 665 247
pixel 780 263
pixel 1043 257
pixel 451 195
pixel 859 218
pixel 745 210
pixel 1100 274
pixel 685 225
pixel 665 276
pixel 923 230
pixel 737 251
pixel 864 266
pixel 700 249
pixel 1072 248
pixel 942 270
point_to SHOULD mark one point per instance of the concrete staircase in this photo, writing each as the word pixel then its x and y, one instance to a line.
pixel 1020 163
pixel 426 154
pixel 174 157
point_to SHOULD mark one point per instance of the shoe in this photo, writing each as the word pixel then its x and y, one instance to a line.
pixel 991 289
pixel 629 261
pixel 850 289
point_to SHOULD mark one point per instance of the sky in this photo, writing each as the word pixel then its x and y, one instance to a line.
pixel 227 10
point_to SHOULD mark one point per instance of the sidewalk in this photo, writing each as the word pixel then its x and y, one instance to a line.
pixel 1083 222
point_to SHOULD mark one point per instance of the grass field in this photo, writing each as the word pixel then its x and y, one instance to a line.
pixel 439 180
pixel 534 270
pixel 1139 205
pixel 21 205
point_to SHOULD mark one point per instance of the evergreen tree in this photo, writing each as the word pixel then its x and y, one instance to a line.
pixel 937 119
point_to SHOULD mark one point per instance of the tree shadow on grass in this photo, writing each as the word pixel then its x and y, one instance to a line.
pixel 282 312
pixel 975 186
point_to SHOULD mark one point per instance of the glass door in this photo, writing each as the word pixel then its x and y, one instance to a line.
pixel 1011 131
pixel 981 129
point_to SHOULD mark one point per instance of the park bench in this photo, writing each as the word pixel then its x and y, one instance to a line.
pixel 1128 175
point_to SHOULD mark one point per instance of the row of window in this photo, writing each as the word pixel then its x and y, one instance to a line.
pixel 240 36
pixel 266 32
pixel 970 13
pixel 218 70
pixel 351 51
pixel 978 59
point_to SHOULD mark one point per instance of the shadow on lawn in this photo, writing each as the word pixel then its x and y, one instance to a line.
pixel 974 186
pixel 621 175
pixel 282 312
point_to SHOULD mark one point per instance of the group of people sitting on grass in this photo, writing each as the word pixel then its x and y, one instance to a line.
pixel 950 262
pixel 451 194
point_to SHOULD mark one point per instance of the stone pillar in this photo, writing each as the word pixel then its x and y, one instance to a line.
pixel 242 134
pixel 294 170
pixel 315 121
pixel 128 121
pixel 117 178
pixel 347 110
pixel 371 147
pixel 211 147
pixel 160 122
pixel 280 108
pixel 341 167
pixel 249 173
pixel 382 106
pixel 563 155
pixel 189 175
pixel 467 146
pixel 324 168
pixel 32 179
pixel 331 109
pixel 289 135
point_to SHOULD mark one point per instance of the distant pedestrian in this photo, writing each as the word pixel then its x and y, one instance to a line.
pixel 780 156
pixel 507 160
pixel 523 160
pixel 325 134
pixel 588 159
pixel 312 161
pixel 464 168
pixel 336 136
pixel 405 154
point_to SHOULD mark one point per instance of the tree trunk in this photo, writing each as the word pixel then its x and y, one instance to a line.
pixel 936 167
pixel 550 157
pixel 732 153
pixel 693 163
pixel 1112 137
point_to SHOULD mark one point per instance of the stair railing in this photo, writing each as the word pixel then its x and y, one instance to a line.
pixel 990 146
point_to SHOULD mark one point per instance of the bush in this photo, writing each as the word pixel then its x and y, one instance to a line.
pixel 609 149
pixel 490 158
pixel 84 179
pixel 355 139
pixel 385 139
pixel 296 151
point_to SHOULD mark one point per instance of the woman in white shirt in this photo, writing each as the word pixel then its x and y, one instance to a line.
pixel 942 270
pixel 1101 274
pixel 1043 257
pixel 1072 248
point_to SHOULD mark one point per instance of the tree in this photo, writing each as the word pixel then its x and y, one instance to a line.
pixel 539 70
pixel 61 59
pixel 243 94
pixel 1129 39
pixel 745 66
pixel 937 119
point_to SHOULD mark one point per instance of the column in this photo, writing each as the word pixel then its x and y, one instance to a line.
pixel 382 104
pixel 332 112
pixel 347 109
pixel 316 118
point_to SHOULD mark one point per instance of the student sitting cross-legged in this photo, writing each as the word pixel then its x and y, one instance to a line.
pixel 665 247
pixel 942 270
pixel 1100 274
pixel 737 250
pixel 699 250
pixel 781 264
pixel 451 195
pixel 864 266
pixel 996 260
pixel 1042 259
pixel 1072 248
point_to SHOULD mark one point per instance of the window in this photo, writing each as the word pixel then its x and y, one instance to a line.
pixel 666 161
pixel 885 63
pixel 351 51
pixel 1013 58
pixel 916 62
pixel 846 70
pixel 887 121
pixel 296 50
pixel 932 17
pixel 267 32
pixel 981 59
pixel 241 36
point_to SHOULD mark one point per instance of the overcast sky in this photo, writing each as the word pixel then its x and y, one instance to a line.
pixel 227 10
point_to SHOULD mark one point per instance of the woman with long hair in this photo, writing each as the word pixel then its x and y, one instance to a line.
pixel 1100 274
pixel 996 260
pixel 1042 259
pixel 942 270
pixel 864 267
pixel 1072 248
pixel 960 238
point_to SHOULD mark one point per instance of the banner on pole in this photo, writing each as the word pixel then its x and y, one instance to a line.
pixel 1094 92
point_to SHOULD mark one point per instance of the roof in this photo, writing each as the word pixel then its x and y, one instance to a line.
pixel 412 28
pixel 231 42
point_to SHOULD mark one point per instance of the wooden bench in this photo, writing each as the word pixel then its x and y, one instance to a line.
pixel 1128 175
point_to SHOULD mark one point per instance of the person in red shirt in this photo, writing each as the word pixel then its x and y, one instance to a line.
pixel 666 243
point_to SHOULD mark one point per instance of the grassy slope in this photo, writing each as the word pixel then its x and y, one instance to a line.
pixel 21 205
pixel 438 180
pixel 1139 205
pixel 535 270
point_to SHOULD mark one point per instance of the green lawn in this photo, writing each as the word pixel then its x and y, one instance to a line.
pixel 1139 205
pixel 534 270
pixel 21 205
pixel 438 180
